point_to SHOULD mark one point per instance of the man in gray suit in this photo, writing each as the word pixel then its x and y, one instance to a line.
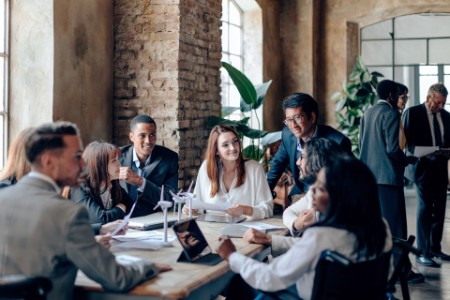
pixel 380 150
pixel 43 234
pixel 147 166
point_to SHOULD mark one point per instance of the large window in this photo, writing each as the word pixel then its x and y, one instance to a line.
pixel 232 52
pixel 4 7
pixel 412 49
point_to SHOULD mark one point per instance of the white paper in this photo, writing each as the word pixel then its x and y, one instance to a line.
pixel 143 235
pixel 197 204
pixel 238 230
pixel 142 244
pixel 125 259
pixel 420 151
pixel 124 221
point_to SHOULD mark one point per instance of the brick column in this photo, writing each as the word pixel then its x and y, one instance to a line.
pixel 167 64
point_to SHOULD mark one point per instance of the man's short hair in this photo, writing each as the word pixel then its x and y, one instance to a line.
pixel 388 88
pixel 141 119
pixel 438 88
pixel 305 101
pixel 48 136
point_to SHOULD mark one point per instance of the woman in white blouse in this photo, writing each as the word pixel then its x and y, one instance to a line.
pixel 352 225
pixel 225 177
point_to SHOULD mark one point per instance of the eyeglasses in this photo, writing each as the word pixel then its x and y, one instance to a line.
pixel 404 98
pixel 297 119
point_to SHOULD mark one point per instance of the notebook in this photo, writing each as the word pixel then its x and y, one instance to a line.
pixel 195 247
pixel 150 222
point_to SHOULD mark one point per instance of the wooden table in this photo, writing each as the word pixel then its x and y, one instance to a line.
pixel 186 280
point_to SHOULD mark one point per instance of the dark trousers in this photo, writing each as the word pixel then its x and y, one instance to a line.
pixel 431 201
pixel 392 204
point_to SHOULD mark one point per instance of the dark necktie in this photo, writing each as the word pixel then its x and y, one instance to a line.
pixel 437 131
pixel 134 188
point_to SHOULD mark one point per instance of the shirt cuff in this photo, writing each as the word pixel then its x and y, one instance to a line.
pixel 236 261
pixel 142 187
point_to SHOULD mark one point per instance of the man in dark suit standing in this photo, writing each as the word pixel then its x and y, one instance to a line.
pixel 301 112
pixel 147 166
pixel 380 151
pixel 428 124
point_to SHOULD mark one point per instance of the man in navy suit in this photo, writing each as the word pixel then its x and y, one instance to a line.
pixel 301 112
pixel 428 124
pixel 147 166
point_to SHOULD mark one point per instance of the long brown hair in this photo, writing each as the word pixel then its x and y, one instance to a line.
pixel 17 164
pixel 213 160
pixel 96 175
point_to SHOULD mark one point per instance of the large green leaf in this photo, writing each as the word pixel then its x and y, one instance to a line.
pixel 250 132
pixel 261 90
pixel 243 84
pixel 253 152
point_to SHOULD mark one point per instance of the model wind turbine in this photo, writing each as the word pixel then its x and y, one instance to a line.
pixel 164 206
pixel 179 200
pixel 188 198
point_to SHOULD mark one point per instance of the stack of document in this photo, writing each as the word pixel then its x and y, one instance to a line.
pixel 142 240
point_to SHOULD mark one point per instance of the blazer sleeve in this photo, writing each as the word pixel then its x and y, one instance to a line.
pixel 96 261
pixel 152 192
pixel 97 213
pixel 279 163
pixel 392 128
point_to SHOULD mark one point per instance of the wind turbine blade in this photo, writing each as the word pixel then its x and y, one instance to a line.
pixel 190 186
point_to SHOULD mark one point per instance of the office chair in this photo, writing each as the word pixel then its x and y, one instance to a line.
pixel 402 249
pixel 339 278
pixel 26 288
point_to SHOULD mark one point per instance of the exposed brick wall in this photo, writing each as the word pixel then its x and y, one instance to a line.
pixel 167 64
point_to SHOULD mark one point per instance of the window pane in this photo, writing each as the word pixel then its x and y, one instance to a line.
pixel 439 50
pixel 235 40
pixel 236 61
pixel 225 10
pixel 225 94
pixel 377 31
pixel 225 37
pixel 235 15
pixel 2 84
pixel 425 83
pixel 377 52
pixel 2 26
pixel 428 70
pixel 2 142
pixel 447 85
pixel 410 52
pixel 446 69
pixel 235 97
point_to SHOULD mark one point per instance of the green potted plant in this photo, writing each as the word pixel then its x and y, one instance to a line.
pixel 252 97
pixel 357 95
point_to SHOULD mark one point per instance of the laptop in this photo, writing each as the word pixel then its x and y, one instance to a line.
pixel 150 222
pixel 195 247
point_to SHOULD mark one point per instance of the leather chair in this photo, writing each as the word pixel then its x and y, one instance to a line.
pixel 22 287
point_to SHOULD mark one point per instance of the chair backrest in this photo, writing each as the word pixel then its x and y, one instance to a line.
pixel 22 287
pixel 339 278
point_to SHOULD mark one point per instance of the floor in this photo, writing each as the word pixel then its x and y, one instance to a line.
pixel 437 281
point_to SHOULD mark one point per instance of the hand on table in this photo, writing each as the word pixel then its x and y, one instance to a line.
pixel 111 226
pixel 255 236
pixel 186 210
pixel 225 248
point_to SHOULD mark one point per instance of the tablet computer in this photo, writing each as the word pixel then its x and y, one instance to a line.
pixel 194 244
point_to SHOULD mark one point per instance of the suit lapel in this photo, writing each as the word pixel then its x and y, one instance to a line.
pixel 155 160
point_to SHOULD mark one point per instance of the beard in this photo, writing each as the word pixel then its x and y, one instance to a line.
pixel 309 179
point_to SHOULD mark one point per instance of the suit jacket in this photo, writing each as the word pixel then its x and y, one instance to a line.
pixel 43 234
pixel 379 144
pixel 94 205
pixel 418 133
pixel 162 169
pixel 286 155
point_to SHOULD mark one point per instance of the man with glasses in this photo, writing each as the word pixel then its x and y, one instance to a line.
pixel 428 124
pixel 301 112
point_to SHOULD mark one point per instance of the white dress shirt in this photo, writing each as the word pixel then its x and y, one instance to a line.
pixel 291 213
pixel 297 266
pixel 254 191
